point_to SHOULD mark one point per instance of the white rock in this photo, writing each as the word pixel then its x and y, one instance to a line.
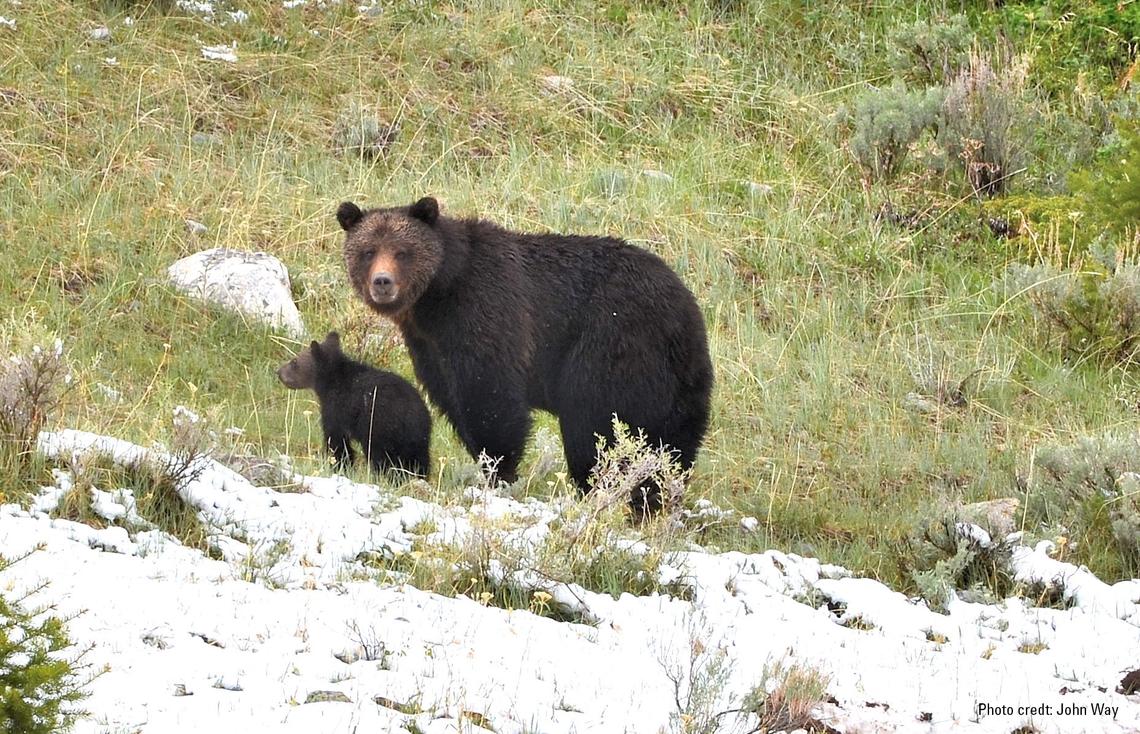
pixel 749 523
pixel 757 189
pixel 655 175
pixel 102 33
pixel 370 11
pixel 255 284
pixel 8 22
pixel 555 84
pixel 195 227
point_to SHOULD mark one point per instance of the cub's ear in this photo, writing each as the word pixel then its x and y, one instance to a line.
pixel 315 350
pixel 332 342
pixel 349 215
pixel 426 210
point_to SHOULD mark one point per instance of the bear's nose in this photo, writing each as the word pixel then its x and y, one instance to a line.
pixel 383 281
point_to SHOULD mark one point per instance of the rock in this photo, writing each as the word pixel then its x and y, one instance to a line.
pixel 327 697
pixel 655 175
pixel 919 404
pixel 749 524
pixel 180 690
pixel 998 516
pixel 206 139
pixel 100 34
pixel 555 84
pixel 373 10
pixel 1130 683
pixel 195 227
pixel 757 189
pixel 255 284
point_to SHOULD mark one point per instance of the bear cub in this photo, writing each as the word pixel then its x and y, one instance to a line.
pixel 379 409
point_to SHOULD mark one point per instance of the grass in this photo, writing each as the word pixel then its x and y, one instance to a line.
pixel 821 319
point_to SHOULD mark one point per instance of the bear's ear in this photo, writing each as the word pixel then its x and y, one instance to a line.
pixel 426 210
pixel 332 343
pixel 315 350
pixel 349 215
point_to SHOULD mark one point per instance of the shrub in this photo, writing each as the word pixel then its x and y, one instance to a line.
pixel 1111 190
pixel 985 121
pixel 945 556
pixel 1094 313
pixel 628 470
pixel 161 475
pixel 886 124
pixel 1092 487
pixel 39 677
pixel 358 132
pixel 930 52
pixel 785 698
pixel 1056 229
pixel 32 387
pixel 1073 38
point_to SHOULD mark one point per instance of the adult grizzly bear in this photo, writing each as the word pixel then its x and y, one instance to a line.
pixel 500 322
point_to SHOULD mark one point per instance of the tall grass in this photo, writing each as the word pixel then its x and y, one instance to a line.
pixel 814 308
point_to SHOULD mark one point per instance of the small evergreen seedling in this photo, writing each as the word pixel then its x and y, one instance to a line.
pixel 378 409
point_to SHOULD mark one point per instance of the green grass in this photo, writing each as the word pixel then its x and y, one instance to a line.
pixel 819 317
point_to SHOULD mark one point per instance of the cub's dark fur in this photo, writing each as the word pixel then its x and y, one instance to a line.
pixel 379 409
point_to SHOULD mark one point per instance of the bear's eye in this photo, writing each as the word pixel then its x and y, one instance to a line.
pixel 403 255
pixel 368 254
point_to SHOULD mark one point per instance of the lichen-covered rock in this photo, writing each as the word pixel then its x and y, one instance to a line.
pixel 255 284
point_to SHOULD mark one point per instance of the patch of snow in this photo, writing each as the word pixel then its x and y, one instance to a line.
pixel 255 284
pixel 197 7
pixel 168 621
pixel 7 22
pixel 221 53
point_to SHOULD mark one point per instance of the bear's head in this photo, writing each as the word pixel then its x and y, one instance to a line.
pixel 300 373
pixel 392 254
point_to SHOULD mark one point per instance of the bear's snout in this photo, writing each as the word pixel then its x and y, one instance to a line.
pixel 383 288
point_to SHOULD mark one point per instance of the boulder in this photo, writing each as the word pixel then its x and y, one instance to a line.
pixel 254 284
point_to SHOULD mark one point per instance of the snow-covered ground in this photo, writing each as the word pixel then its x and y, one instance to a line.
pixel 191 645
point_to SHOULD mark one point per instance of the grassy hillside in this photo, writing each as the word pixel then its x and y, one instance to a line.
pixel 823 316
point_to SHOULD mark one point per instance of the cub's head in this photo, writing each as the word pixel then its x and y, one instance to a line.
pixel 391 254
pixel 300 373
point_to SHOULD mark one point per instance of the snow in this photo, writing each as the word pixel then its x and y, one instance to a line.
pixel 220 53
pixel 288 615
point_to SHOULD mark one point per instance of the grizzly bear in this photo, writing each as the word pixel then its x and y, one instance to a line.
pixel 499 322
pixel 381 410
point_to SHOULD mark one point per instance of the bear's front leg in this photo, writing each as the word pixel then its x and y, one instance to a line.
pixel 340 446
